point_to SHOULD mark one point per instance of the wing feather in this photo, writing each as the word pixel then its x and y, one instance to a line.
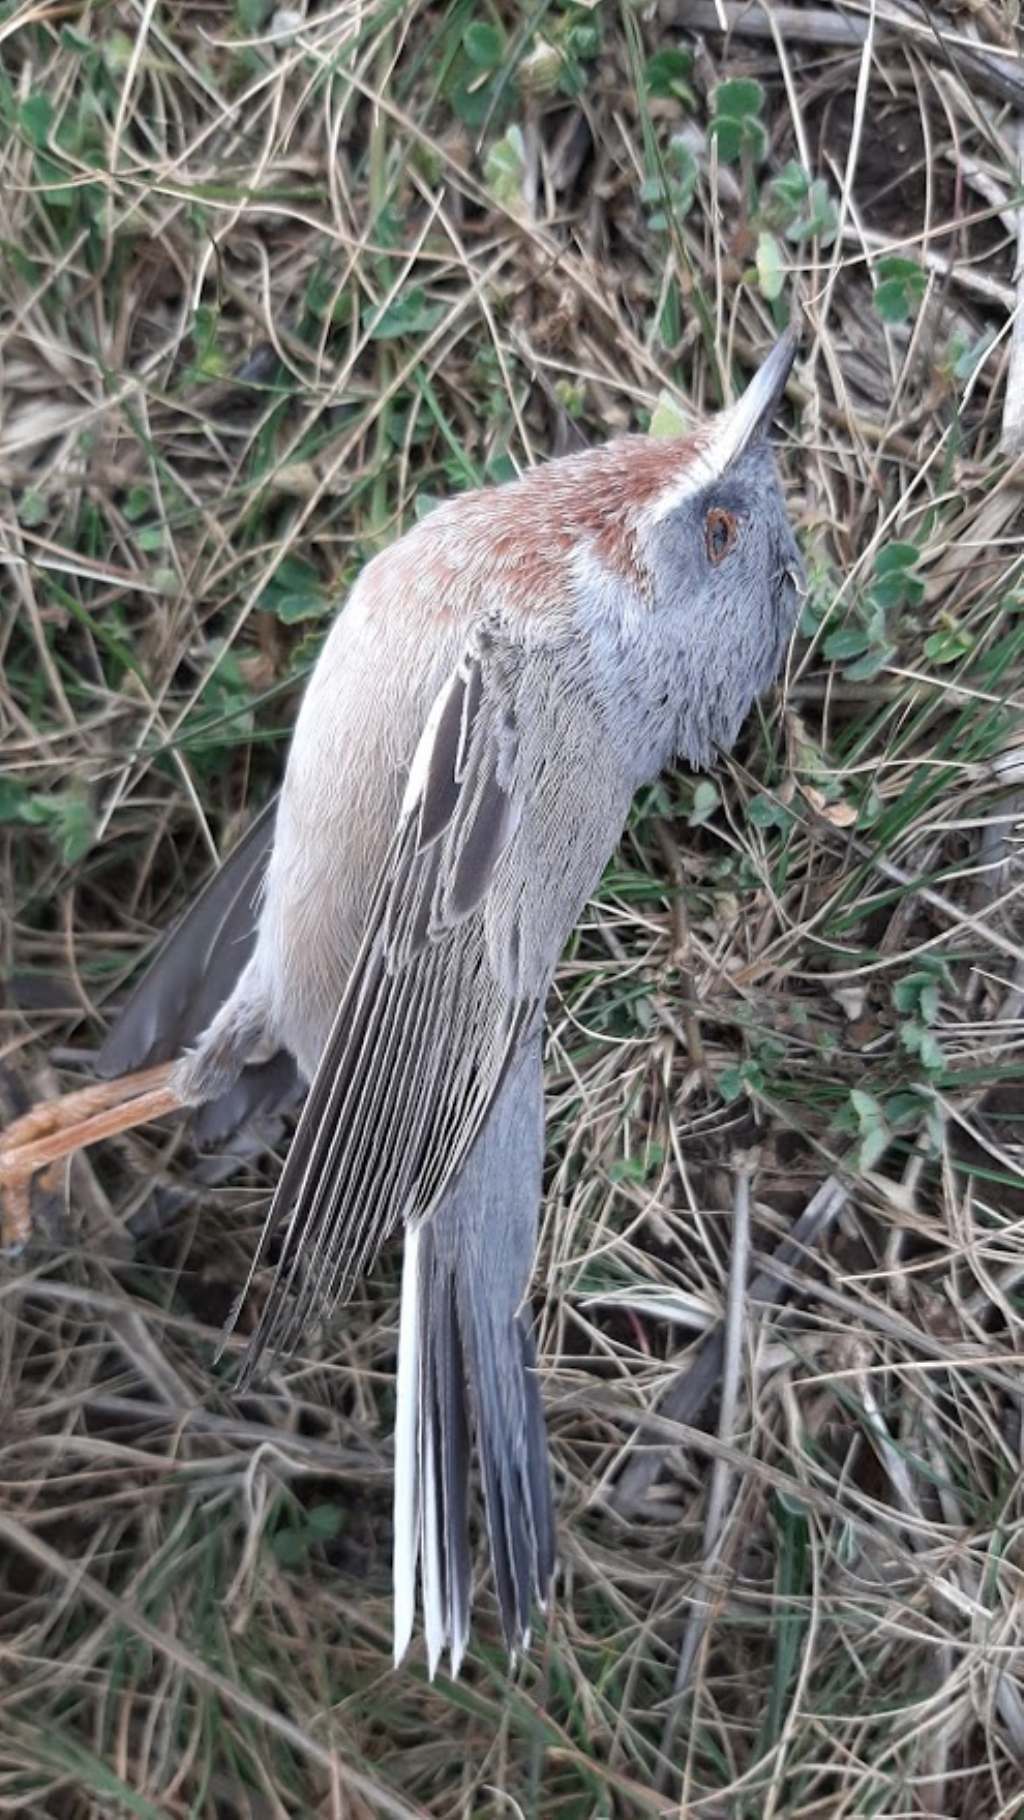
pixel 425 1030
pixel 195 970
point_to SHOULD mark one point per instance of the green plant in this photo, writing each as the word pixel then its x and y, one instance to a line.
pixel 505 169
pixel 667 76
pixel 66 816
pixel 900 285
pixel 299 1531
pixel 672 190
pixel 916 998
pixel 295 592
pixel 799 206
pixel 866 639
pixel 736 124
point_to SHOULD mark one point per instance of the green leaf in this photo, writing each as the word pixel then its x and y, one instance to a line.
pixel 738 98
pixel 765 812
pixel 484 45
pixel 666 73
pixel 14 800
pixel 407 314
pixel 900 285
pixel 290 609
pixel 672 188
pixel 505 169
pixel 788 190
pixel 706 799
pixel 891 301
pixel 771 274
pixel 968 356
pixel 820 220
pixel 928 1002
pixel 871 664
pixel 583 39
pixel 873 1146
pixel 669 418
pixel 903 1109
pixel 734 137
pixel 755 139
pixel 849 641
pixel 736 1080
pixel 870 809
pixel 896 556
pixel 325 1521
pixel 60 190
pixel 783 200
pixel 918 993
pixel 138 503
pixel 636 1168
pixel 728 136
pixel 888 591
pixel 294 573
pixel 69 821
pixel 874 1132
pixel 32 508
pixel 35 116
pixel 894 265
pixel 289 1547
pixel 294 592
pixel 947 647
pixel 251 15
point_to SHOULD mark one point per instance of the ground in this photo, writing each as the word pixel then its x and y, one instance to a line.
pixel 274 282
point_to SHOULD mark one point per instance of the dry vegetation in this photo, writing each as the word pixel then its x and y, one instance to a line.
pixel 272 282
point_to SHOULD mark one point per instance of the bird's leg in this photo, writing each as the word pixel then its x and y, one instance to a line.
pixel 55 1129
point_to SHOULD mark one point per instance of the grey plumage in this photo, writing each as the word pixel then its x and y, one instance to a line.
pixel 497 687
pixel 192 975
pixel 476 1371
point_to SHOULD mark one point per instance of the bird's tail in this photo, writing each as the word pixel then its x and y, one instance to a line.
pixel 466 1366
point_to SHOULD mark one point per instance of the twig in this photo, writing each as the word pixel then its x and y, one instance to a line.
pixel 186 1417
pixel 1012 439
pixel 721 1482
pixel 951 270
pixel 991 68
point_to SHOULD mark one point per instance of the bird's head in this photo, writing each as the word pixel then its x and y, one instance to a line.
pixel 664 571
pixel 689 579
pixel 724 567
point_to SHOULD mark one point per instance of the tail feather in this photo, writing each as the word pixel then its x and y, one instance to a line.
pixel 513 1444
pixel 466 1361
pixel 406 1547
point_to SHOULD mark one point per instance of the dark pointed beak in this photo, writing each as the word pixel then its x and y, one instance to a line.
pixel 749 418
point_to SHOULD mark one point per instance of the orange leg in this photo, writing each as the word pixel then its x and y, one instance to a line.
pixel 51 1131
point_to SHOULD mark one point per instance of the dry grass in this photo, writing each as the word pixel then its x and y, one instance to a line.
pixel 251 321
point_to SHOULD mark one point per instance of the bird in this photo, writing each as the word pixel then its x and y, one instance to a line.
pixel 500 682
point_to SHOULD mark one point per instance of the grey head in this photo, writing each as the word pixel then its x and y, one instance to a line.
pixel 707 631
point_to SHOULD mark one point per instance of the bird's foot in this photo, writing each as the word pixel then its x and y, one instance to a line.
pixel 45 1134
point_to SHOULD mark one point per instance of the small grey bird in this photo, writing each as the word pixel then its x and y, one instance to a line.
pixel 497 687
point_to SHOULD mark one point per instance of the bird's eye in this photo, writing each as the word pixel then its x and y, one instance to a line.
pixel 721 529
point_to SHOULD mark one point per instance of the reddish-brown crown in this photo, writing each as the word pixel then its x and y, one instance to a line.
pixel 516 542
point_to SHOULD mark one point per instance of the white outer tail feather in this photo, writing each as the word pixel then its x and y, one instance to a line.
pixel 407 1475
pixel 418 1541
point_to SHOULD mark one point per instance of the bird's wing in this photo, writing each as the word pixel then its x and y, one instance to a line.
pixel 430 1016
pixel 195 970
